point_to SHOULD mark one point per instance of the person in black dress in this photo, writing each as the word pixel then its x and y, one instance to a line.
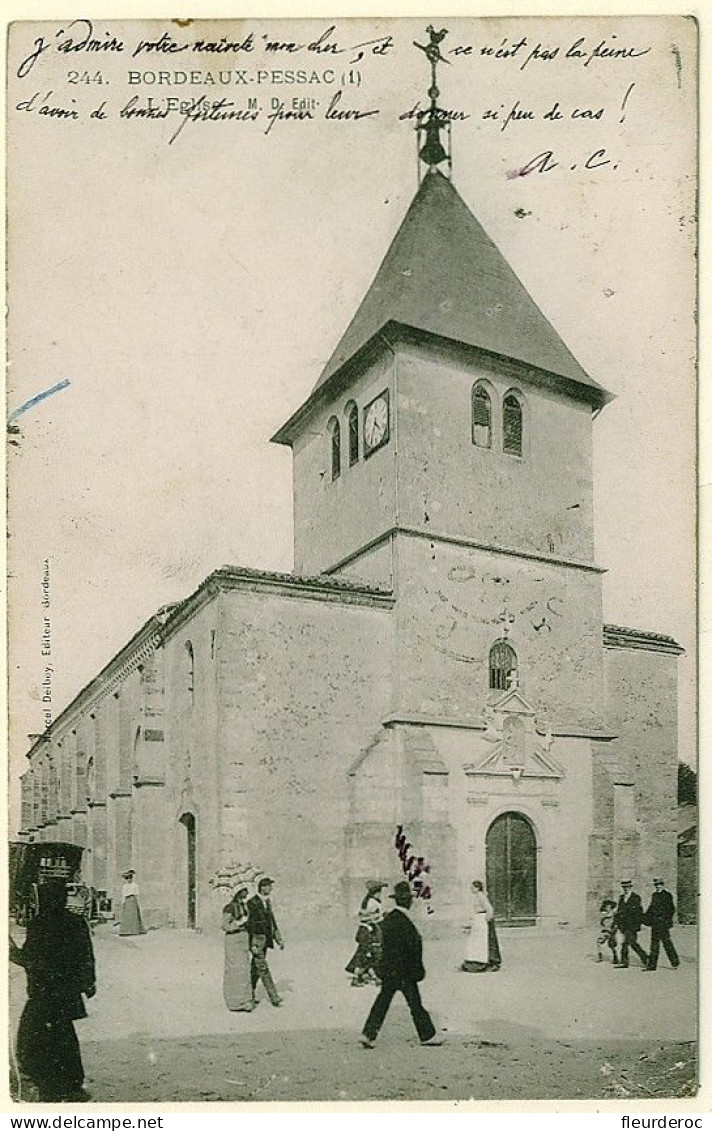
pixel 59 962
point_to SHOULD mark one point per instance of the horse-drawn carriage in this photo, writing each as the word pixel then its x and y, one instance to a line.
pixel 31 865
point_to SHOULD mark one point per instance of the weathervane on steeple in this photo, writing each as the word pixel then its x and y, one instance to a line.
pixel 434 119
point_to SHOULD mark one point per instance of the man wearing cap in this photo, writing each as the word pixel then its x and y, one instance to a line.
pixel 659 918
pixel 401 968
pixel 263 933
pixel 629 920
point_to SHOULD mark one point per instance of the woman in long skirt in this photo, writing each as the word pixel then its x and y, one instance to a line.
pixel 482 951
pixel 494 956
pixel 131 922
pixel 365 959
pixel 237 989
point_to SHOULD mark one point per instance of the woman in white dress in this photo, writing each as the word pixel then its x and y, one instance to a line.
pixel 482 951
pixel 131 922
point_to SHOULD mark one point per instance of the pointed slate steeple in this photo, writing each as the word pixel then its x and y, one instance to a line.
pixel 443 276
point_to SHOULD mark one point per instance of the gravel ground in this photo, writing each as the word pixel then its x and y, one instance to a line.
pixel 327 1064
pixel 552 1024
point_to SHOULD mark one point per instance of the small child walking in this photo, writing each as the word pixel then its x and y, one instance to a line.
pixel 607 931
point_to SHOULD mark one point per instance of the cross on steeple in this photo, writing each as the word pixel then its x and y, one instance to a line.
pixel 433 153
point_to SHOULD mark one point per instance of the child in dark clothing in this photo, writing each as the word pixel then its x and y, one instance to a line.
pixel 607 931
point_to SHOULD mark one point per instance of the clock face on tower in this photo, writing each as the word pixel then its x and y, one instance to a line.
pixel 375 424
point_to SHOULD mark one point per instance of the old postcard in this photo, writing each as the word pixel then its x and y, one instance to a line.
pixel 351 448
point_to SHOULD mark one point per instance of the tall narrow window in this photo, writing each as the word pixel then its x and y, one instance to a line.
pixel 481 417
pixel 512 425
pixel 190 670
pixel 352 417
pixel 502 666
pixel 335 432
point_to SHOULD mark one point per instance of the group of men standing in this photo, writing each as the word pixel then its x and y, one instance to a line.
pixel 630 917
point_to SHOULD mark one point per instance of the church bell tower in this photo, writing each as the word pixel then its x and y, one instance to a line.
pixel 451 422
pixel 445 454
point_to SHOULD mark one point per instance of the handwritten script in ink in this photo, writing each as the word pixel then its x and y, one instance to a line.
pixel 175 81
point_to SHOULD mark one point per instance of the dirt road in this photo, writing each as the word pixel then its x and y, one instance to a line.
pixel 552 1023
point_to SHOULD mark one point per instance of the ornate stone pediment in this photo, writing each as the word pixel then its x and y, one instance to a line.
pixel 520 749
pixel 513 703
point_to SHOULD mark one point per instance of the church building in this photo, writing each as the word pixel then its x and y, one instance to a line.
pixel 437 662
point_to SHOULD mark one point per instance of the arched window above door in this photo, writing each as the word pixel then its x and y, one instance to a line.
pixel 502 666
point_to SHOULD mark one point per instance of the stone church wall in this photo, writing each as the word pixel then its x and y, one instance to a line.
pixel 374 566
pixel 450 601
pixel 335 518
pixel 303 686
pixel 192 770
pixel 642 691
pixel 539 502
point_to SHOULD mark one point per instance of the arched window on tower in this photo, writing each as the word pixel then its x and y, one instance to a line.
pixel 481 417
pixel 351 414
pixel 190 671
pixel 502 666
pixel 512 427
pixel 335 434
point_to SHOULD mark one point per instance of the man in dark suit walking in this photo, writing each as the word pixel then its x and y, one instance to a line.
pixel 263 933
pixel 629 920
pixel 401 968
pixel 659 918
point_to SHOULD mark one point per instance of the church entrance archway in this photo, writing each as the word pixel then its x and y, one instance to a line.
pixel 511 853
pixel 188 822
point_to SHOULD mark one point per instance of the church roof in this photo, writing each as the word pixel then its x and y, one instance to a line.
pixel 616 636
pixel 444 275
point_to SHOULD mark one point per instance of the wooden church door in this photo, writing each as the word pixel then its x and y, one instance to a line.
pixel 511 869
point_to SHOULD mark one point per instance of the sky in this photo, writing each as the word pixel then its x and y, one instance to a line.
pixel 190 292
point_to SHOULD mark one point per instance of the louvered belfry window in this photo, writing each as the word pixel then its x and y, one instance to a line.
pixel 335 430
pixel 512 425
pixel 353 435
pixel 502 665
pixel 481 417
